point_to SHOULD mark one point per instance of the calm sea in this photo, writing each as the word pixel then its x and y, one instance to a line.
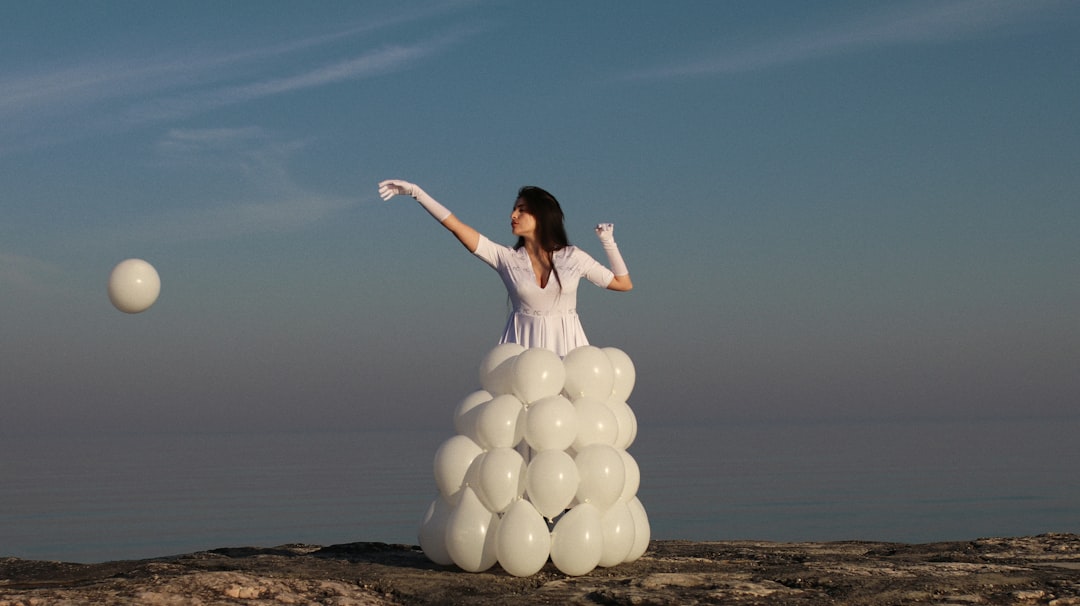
pixel 99 498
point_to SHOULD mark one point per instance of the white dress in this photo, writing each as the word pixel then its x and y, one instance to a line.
pixel 543 317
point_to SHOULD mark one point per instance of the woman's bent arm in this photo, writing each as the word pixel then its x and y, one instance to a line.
pixel 621 283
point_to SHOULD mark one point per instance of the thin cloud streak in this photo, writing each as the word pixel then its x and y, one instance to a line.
pixel 382 61
pixel 277 203
pixel 922 23
pixel 46 108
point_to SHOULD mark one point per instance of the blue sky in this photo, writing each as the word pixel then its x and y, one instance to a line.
pixel 830 210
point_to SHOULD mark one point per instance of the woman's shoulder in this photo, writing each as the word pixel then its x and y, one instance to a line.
pixel 572 256
pixel 496 254
pixel 572 252
pixel 488 243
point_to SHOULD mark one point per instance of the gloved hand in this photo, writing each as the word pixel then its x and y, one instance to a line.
pixel 606 233
pixel 392 187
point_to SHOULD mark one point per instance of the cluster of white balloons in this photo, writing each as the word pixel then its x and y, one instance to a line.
pixel 538 468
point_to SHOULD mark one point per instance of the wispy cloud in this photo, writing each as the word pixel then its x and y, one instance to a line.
pixel 376 62
pixel 72 101
pixel 272 202
pixel 269 200
pixel 912 23
pixel 22 275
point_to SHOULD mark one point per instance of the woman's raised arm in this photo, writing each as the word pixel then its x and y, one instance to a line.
pixel 621 281
pixel 468 236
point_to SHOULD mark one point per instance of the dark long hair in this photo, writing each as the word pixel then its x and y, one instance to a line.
pixel 550 231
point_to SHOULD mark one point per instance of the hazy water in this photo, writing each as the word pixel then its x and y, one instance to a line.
pixel 97 498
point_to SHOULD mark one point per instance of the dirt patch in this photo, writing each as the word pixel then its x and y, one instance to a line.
pixel 1025 570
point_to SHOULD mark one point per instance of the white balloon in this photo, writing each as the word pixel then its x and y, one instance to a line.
pixel 603 475
pixel 452 461
pixel 500 422
pixel 633 476
pixel 134 285
pixel 633 428
pixel 626 421
pixel 523 542
pixel 625 375
pixel 537 373
pixel 500 478
pixel 618 527
pixel 596 423
pixel 433 532
pixel 496 369
pixel 588 373
pixel 551 481
pixel 642 531
pixel 551 424
pixel 470 534
pixel 577 542
pixel 472 477
pixel 466 411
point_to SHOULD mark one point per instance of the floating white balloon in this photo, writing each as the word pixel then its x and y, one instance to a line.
pixel 134 285
pixel 544 438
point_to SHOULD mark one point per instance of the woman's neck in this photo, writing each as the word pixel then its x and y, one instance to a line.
pixel 532 246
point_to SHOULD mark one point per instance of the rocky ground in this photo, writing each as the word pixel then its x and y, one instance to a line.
pixel 1028 570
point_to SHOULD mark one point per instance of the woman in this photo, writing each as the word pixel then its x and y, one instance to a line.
pixel 541 272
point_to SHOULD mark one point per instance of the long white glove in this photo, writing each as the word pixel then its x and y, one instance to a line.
pixel 606 233
pixel 389 189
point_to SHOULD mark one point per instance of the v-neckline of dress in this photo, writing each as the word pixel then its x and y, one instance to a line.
pixel 535 276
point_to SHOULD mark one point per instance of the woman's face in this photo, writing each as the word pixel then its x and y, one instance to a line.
pixel 521 222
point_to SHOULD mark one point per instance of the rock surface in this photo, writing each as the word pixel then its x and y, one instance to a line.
pixel 1027 570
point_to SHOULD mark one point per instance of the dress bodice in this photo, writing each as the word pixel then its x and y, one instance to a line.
pixel 543 316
